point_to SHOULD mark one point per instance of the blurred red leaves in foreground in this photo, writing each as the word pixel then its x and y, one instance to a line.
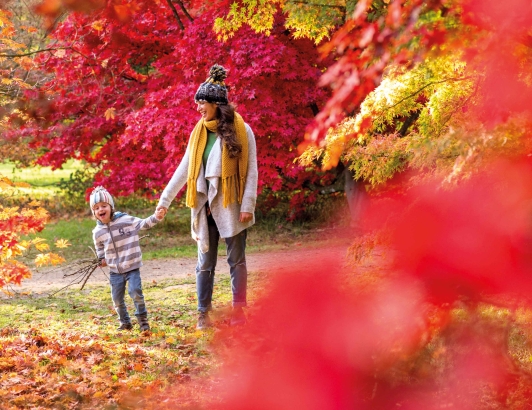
pixel 474 241
pixel 421 336
pixel 498 45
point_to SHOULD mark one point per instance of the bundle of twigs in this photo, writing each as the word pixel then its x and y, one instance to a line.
pixel 81 271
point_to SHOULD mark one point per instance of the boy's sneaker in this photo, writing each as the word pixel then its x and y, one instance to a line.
pixel 204 321
pixel 237 317
pixel 143 323
pixel 125 326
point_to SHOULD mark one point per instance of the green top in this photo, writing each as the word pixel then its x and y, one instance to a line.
pixel 211 139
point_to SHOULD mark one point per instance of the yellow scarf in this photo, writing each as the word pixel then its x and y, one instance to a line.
pixel 234 170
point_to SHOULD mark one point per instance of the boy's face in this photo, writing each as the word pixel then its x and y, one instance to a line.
pixel 102 212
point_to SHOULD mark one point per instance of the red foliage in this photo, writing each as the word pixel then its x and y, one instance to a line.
pixel 121 96
pixel 499 32
pixel 472 242
pixel 15 222
pixel 320 341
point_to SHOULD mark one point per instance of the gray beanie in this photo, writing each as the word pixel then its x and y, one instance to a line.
pixel 100 194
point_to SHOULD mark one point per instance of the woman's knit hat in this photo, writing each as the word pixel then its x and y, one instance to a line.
pixel 100 194
pixel 213 90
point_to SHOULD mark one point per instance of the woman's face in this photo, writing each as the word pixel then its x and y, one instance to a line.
pixel 207 110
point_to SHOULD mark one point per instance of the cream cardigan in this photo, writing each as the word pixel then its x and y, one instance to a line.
pixel 226 218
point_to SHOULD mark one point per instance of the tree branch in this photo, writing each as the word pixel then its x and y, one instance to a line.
pixel 29 53
pixel 175 14
pixel 425 86
pixel 318 5
pixel 184 10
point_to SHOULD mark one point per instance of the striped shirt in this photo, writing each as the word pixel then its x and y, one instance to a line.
pixel 118 241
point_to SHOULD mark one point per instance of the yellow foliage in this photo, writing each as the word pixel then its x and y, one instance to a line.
pixel 311 19
pixel 42 246
pixel 418 118
pixel 14 222
pixel 43 259
pixel 98 25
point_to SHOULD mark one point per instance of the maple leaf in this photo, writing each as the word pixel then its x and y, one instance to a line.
pixel 62 243
pixel 42 259
pixel 40 244
pixel 110 114
pixel 98 25
pixel 48 259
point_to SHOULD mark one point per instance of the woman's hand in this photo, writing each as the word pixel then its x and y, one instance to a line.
pixel 160 213
pixel 245 217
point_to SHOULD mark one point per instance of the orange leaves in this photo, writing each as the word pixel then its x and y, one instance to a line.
pixel 124 12
pixel 14 222
pixel 13 272
pixel 44 259
pixel 5 183
pixel 98 25
pixel 110 114
pixel 51 9
pixel 26 63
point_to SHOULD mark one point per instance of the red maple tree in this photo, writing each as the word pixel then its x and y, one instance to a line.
pixel 121 97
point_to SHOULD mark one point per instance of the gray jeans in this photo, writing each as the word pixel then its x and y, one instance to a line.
pixel 236 248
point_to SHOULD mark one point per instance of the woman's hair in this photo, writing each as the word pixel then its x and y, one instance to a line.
pixel 226 129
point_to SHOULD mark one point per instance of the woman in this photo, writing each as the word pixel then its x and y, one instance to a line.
pixel 220 170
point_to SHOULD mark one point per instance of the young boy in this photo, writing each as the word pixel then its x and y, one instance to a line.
pixel 116 239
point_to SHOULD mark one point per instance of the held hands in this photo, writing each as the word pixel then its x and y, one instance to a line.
pixel 160 212
pixel 102 263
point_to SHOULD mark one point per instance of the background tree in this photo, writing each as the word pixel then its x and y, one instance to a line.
pixel 21 39
pixel 450 100
pixel 307 19
pixel 120 94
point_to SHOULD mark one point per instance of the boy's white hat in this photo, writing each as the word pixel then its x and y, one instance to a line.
pixel 100 194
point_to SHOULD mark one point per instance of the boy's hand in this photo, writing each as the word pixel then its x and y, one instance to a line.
pixel 103 263
pixel 160 212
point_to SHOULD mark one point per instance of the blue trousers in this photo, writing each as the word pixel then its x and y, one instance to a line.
pixel 118 283
pixel 236 249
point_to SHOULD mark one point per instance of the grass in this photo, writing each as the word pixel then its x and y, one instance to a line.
pixel 38 176
pixel 171 238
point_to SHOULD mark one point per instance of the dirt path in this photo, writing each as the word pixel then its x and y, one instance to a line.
pixel 298 257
